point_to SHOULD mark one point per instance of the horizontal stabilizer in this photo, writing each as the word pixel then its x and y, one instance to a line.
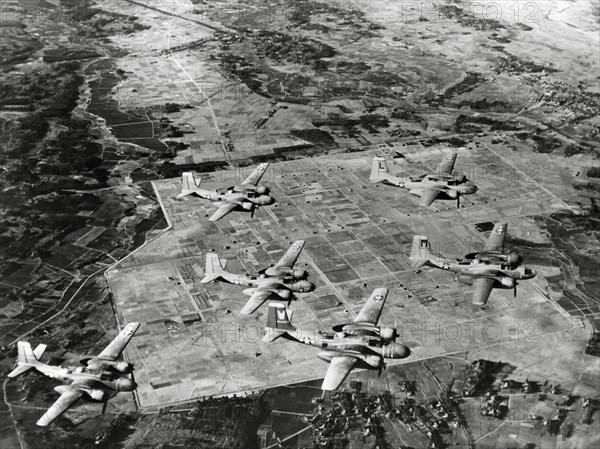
pixel 379 170
pixel 189 184
pixel 420 252
pixel 26 359
pixel 278 322
pixel 214 268
pixel 19 370
pixel 210 278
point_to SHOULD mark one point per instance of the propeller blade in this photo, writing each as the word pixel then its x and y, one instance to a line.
pixel 104 404
pixel 458 201
pixel 382 367
pixel 252 212
pixel 515 291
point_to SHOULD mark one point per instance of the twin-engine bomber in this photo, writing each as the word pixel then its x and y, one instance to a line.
pixel 441 184
pixel 278 282
pixel 246 197
pixel 485 270
pixel 98 377
pixel 360 344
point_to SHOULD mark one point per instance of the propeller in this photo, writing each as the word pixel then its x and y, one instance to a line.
pixel 382 367
pixel 104 404
pixel 515 290
pixel 252 211
pixel 458 201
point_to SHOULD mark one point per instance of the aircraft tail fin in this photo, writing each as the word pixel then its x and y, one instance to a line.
pixel 189 184
pixel 278 322
pixel 379 169
pixel 214 268
pixel 420 252
pixel 26 359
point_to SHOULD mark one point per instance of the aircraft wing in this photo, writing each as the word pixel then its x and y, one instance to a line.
pixel 222 211
pixel 482 287
pixel 495 241
pixel 256 175
pixel 66 399
pixel 256 300
pixel 447 165
pixel 372 309
pixel 115 347
pixel 338 370
pixel 428 196
pixel 291 255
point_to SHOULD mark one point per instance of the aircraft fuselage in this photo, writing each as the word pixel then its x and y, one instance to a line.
pixel 447 183
pixel 337 343
pixel 103 379
pixel 466 269
pixel 284 282
pixel 230 196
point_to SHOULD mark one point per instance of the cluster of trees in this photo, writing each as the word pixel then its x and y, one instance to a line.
pixel 238 418
pixel 277 46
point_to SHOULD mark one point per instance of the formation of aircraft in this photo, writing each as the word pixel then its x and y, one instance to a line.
pixel 278 282
pixel 485 270
pixel 442 184
pixel 360 344
pixel 98 377
pixel 245 197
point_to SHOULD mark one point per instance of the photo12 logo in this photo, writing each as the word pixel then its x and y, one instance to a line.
pixel 469 332
pixel 512 12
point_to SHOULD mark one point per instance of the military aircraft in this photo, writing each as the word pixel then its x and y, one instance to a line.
pixel 442 183
pixel 97 377
pixel 360 344
pixel 485 270
pixel 278 282
pixel 245 197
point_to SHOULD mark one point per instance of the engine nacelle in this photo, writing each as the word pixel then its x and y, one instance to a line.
pixel 507 282
pixel 97 395
pixel 387 333
pixel 465 279
pixel 95 363
pixel 262 190
pixel 85 360
pixel 124 384
pixel 284 294
pixel 513 259
pixel 302 287
pixel 264 200
pixel 247 206
pixel 466 188
pixel 526 273
pixel 326 355
pixel 452 193
pixel 460 178
pixel 123 367
pixel 62 389
pixel 300 275
pixel 373 361
pixel 395 351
